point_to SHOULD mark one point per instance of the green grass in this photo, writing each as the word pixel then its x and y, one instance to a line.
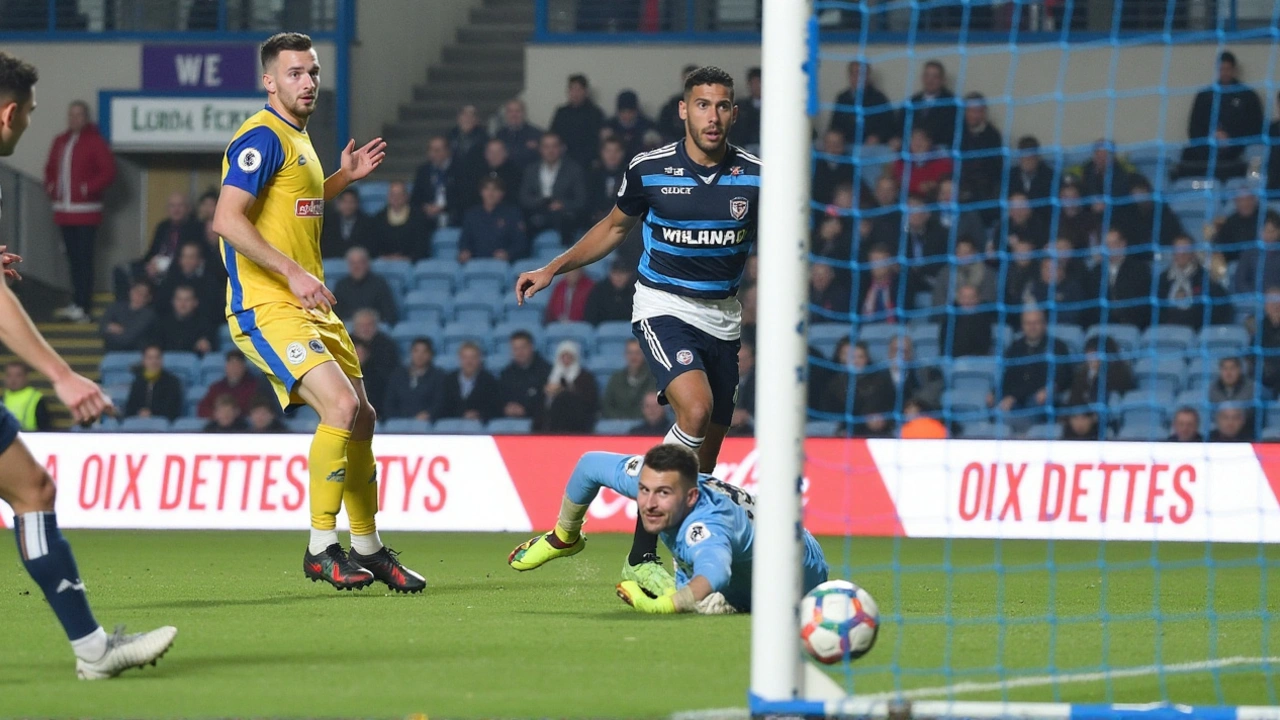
pixel 255 639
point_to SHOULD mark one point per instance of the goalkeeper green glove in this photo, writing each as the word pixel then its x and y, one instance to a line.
pixel 637 598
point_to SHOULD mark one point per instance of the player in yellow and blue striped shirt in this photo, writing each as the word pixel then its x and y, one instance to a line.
pixel 281 315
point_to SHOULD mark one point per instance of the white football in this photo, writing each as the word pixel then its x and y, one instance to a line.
pixel 838 620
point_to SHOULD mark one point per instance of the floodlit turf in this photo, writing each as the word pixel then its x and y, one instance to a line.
pixel 255 639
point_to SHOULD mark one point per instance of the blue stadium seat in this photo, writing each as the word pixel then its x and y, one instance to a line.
pixel 877 335
pixel 373 195
pixel 825 336
pixel 484 273
pixel 457 333
pixel 965 404
pixel 510 426
pixel 119 393
pixel 477 308
pixel 444 242
pixel 104 424
pixel 1149 406
pixel 1168 339
pixel 821 428
pixel 496 362
pixel 224 337
pixel 612 337
pixel 447 363
pixel 144 424
pixel 213 367
pixel 428 305
pixel 546 241
pixel 185 365
pixel 399 273
pixel 1140 429
pixel 405 426
pixel 1271 434
pixel 458 426
pixel 872 159
pixel 438 274
pixel 924 338
pixel 500 336
pixel 404 333
pixel 580 332
pixel 1223 339
pixel 605 365
pixel 1124 336
pixel 1163 374
pixel 985 431
pixel 1273 416
pixel 188 424
pixel 1001 337
pixel 974 372
pixel 1072 335
pixel 1045 431
pixel 531 310
pixel 303 425
pixel 615 426
pixel 334 269
pixel 119 363
pixel 194 395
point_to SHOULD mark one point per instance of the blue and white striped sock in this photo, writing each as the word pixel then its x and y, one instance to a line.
pixel 48 559
pixel 676 436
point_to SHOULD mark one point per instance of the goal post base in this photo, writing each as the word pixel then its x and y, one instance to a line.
pixel 850 707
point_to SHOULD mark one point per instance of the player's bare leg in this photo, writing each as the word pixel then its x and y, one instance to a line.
pixel 360 495
pixel 330 393
pixel 29 490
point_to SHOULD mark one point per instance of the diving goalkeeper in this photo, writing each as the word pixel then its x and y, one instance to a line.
pixel 706 523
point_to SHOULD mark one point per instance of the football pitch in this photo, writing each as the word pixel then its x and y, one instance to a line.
pixel 255 639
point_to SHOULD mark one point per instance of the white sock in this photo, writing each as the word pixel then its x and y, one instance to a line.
pixel 321 539
pixel 91 647
pixel 676 436
pixel 366 544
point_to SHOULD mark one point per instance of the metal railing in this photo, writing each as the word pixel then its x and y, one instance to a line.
pixel 588 21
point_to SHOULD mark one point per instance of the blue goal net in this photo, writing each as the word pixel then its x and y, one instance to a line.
pixel 1035 223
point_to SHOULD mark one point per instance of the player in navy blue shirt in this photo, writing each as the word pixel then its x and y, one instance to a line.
pixel 697 202
pixel 707 523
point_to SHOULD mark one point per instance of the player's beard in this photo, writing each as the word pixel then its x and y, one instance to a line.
pixel 301 109
pixel 710 148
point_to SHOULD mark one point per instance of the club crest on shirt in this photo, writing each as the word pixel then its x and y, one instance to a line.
pixel 735 170
pixel 316 346
pixel 302 159
pixel 249 160
pixel 633 465
pixel 696 533
pixel 295 353
pixel 684 357
pixel 738 208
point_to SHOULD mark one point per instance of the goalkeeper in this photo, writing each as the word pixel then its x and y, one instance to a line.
pixel 706 523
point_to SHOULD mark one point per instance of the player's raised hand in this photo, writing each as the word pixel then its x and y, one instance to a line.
pixel 308 289
pixel 7 261
pixel 359 163
pixel 529 283
pixel 82 396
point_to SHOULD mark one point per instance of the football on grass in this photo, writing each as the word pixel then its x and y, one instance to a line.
pixel 838 620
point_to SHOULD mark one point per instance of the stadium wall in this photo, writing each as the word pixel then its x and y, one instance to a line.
pixel 1227 492
pixel 1090 71
pixel 395 43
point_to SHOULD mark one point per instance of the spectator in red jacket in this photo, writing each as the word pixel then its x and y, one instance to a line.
pixel 77 174
pixel 237 384
pixel 927 166
pixel 569 298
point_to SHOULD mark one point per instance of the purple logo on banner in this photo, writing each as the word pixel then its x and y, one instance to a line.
pixel 200 67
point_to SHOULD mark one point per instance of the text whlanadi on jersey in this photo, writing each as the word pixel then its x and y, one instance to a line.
pixel 721 238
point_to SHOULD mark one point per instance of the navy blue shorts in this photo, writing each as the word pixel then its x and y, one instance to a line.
pixel 8 428
pixel 674 347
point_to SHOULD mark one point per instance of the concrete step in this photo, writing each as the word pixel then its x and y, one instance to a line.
pixel 469 91
pixel 429 111
pixel 476 54
pixel 521 12
pixel 472 73
pixel 506 33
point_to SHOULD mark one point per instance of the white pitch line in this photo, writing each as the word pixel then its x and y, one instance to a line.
pixel 1043 680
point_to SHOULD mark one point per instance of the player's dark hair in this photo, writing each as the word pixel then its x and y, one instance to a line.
pixel 709 75
pixel 678 458
pixel 579 79
pixel 278 43
pixel 431 347
pixel 1028 142
pixel 16 79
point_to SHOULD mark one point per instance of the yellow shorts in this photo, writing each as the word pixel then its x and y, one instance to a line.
pixel 285 342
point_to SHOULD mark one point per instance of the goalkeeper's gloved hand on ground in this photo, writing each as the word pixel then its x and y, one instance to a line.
pixel 633 595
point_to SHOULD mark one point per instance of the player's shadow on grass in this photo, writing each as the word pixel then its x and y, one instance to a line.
pixel 209 603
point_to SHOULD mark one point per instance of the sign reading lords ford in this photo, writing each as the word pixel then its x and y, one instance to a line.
pixel 145 122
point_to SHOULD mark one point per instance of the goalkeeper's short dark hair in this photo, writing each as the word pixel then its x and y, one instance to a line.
pixel 678 458
pixel 708 75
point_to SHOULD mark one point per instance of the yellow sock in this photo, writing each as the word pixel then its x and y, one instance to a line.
pixel 569 523
pixel 361 492
pixel 327 463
